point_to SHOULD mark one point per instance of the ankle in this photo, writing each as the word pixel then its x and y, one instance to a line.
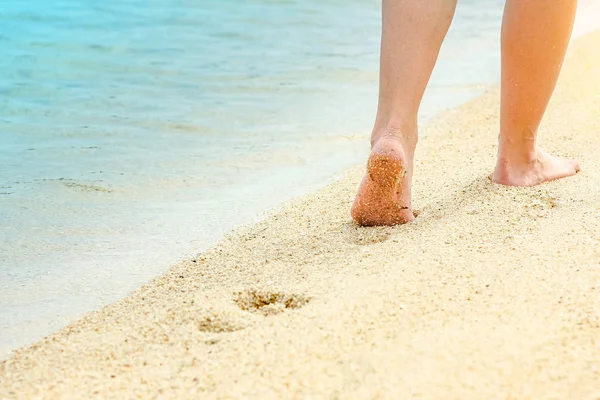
pixel 407 134
pixel 517 142
pixel 517 151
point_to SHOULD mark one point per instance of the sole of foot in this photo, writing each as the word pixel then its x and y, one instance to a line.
pixel 542 168
pixel 383 197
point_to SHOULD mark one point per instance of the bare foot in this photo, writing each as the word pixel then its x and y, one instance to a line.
pixel 384 194
pixel 540 168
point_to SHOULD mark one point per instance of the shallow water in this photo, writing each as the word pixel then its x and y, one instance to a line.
pixel 136 133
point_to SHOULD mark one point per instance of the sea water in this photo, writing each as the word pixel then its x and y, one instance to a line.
pixel 135 133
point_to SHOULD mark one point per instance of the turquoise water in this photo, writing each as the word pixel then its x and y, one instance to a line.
pixel 134 133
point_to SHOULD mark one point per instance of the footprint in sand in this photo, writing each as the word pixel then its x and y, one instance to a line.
pixel 268 302
pixel 220 322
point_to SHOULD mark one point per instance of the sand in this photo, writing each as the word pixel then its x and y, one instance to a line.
pixel 492 293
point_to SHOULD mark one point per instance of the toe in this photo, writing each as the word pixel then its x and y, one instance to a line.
pixel 568 168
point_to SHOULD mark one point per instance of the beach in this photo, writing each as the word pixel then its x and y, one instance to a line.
pixel 493 292
pixel 136 135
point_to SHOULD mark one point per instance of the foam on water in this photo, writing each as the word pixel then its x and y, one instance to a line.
pixel 135 133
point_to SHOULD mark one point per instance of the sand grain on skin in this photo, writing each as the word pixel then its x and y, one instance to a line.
pixel 492 293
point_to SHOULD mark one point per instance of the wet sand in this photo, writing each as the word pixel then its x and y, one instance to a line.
pixel 493 292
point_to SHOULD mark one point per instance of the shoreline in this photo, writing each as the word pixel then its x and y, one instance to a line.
pixel 476 299
pixel 46 286
pixel 90 235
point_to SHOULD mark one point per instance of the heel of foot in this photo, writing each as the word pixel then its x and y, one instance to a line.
pixel 386 169
pixel 384 194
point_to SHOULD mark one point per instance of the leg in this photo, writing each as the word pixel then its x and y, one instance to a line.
pixel 535 36
pixel 411 38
